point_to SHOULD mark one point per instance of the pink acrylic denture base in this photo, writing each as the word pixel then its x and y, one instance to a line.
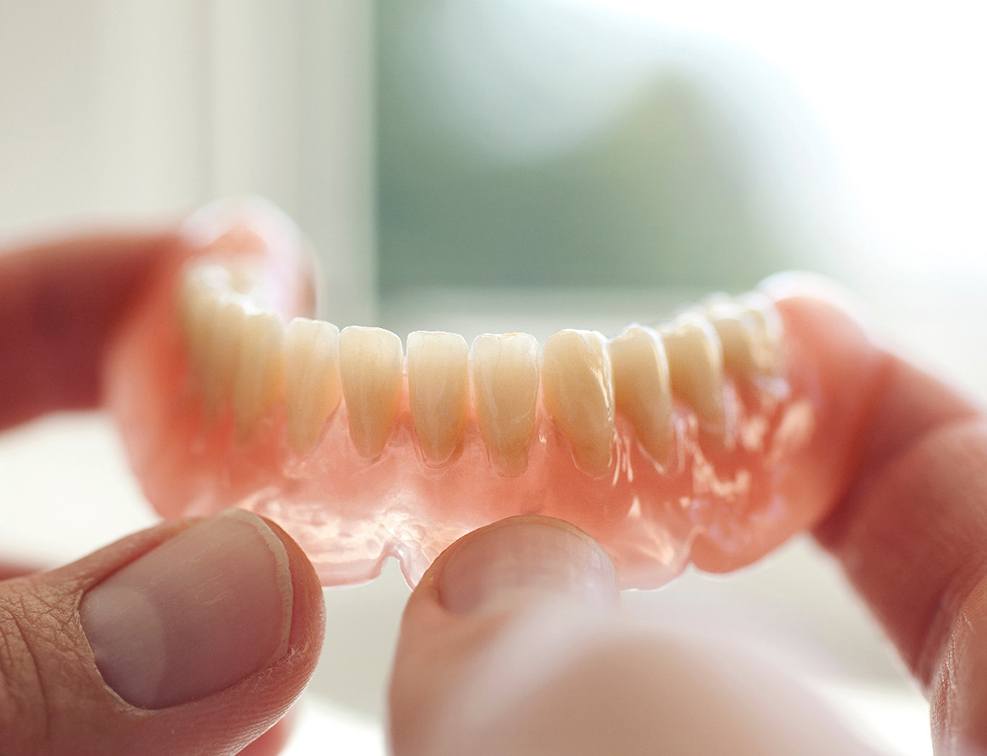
pixel 731 499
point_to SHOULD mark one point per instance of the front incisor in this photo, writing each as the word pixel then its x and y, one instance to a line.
pixel 258 372
pixel 371 367
pixel 695 366
pixel 505 396
pixel 312 384
pixel 438 391
pixel 641 388
pixel 578 391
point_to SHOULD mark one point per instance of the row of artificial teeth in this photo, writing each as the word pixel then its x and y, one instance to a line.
pixel 237 348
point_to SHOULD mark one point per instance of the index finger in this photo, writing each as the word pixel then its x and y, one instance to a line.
pixel 909 525
pixel 59 303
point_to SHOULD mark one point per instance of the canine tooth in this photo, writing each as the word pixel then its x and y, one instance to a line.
pixel 258 371
pixel 641 387
pixel 311 379
pixel 505 393
pixel 224 319
pixel 371 368
pixel 578 390
pixel 438 391
pixel 695 366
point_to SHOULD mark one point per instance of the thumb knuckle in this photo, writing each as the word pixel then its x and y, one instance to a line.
pixel 37 651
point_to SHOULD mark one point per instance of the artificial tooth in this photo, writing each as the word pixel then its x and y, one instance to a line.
pixel 641 388
pixel 695 366
pixel 224 321
pixel 195 305
pixel 312 384
pixel 748 333
pixel 505 395
pixel 371 368
pixel 258 372
pixel 201 286
pixel 438 391
pixel 578 390
pixel 736 337
pixel 765 323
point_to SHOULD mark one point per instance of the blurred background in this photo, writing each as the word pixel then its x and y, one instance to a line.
pixel 519 164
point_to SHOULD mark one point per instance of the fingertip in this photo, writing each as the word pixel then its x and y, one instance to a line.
pixel 481 588
pixel 308 606
pixel 522 559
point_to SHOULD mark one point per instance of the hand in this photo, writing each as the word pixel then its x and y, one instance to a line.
pixel 510 645
pixel 186 638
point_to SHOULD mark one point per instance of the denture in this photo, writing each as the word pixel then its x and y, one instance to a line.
pixel 711 437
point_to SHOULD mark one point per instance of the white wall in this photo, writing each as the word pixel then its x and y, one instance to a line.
pixel 126 110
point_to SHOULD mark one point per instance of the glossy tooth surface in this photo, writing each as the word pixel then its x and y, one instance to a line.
pixel 438 391
pixel 224 317
pixel 312 386
pixel 641 388
pixel 748 332
pixel 765 324
pixel 201 288
pixel 578 392
pixel 259 366
pixel 736 338
pixel 371 368
pixel 695 366
pixel 504 371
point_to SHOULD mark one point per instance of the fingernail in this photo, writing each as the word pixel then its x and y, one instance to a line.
pixel 525 559
pixel 193 616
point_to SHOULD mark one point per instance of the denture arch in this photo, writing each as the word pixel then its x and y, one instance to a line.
pixel 364 447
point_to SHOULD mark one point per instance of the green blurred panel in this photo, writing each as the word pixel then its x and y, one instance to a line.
pixel 659 196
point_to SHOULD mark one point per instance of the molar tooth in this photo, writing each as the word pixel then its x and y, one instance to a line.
pixel 311 379
pixel 641 388
pixel 578 390
pixel 695 363
pixel 224 320
pixel 438 391
pixel 505 395
pixel 258 371
pixel 371 368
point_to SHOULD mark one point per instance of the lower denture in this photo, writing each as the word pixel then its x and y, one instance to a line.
pixel 644 442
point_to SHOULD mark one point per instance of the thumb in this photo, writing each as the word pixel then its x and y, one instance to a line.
pixel 191 637
pixel 513 643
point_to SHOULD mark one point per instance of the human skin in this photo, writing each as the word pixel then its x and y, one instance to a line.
pixel 909 530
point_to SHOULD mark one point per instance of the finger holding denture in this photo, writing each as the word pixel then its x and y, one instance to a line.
pixel 678 442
